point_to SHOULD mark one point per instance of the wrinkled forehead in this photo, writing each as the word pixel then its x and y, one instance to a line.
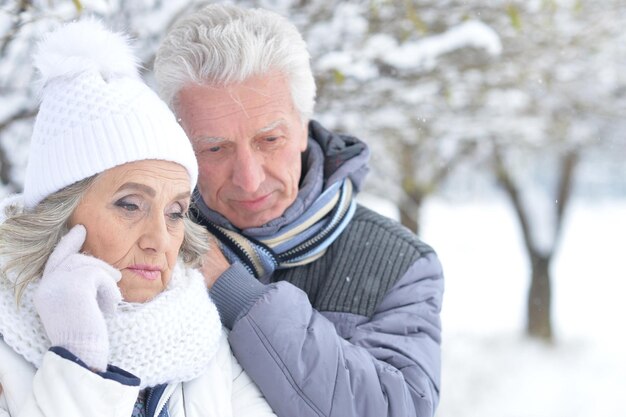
pixel 151 177
pixel 258 104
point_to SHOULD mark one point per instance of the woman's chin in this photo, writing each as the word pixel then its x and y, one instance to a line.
pixel 139 296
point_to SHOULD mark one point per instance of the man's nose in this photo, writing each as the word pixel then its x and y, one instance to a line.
pixel 248 170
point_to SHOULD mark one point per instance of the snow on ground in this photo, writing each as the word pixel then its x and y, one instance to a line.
pixel 489 368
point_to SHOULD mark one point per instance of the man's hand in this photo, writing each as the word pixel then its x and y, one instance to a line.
pixel 214 264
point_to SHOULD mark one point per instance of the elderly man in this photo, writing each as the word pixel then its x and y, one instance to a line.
pixel 333 309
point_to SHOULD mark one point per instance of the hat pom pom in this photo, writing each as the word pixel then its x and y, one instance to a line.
pixel 82 46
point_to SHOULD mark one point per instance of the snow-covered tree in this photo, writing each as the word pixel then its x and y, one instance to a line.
pixel 561 71
pixel 526 92
pixel 380 77
pixel 22 23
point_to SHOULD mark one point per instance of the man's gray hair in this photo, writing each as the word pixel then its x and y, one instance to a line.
pixel 224 44
pixel 28 237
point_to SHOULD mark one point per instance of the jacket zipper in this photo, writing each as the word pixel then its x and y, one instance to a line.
pixel 162 400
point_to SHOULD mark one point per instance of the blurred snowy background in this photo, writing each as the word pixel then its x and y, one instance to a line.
pixel 498 130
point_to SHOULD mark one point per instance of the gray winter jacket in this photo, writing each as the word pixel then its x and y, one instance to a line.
pixel 355 333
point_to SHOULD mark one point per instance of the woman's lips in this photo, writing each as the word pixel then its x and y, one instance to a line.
pixel 148 272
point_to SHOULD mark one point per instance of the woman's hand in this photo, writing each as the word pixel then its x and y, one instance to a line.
pixel 75 292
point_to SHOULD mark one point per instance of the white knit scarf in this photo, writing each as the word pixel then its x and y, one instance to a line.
pixel 169 339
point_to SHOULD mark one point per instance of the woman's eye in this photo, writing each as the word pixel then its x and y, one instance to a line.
pixel 127 205
pixel 177 212
pixel 176 215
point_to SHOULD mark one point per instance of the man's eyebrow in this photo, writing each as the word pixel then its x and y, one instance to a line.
pixel 218 139
pixel 209 140
pixel 272 126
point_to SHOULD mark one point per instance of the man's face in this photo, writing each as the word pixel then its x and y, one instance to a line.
pixel 248 138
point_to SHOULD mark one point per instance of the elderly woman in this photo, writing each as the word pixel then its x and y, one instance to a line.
pixel 101 312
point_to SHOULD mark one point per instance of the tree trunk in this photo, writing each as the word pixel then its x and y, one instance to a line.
pixel 539 299
pixel 408 219
pixel 410 216
pixel 5 168
pixel 539 324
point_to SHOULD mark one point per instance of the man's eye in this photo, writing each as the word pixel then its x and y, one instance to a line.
pixel 269 142
pixel 209 150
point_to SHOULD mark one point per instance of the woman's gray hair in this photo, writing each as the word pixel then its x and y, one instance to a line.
pixel 28 237
pixel 222 44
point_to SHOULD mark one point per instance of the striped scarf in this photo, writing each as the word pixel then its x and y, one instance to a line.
pixel 298 243
pixel 334 167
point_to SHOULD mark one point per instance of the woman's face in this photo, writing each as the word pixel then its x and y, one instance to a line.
pixel 133 214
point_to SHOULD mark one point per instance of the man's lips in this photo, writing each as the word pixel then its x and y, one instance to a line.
pixel 253 203
pixel 148 272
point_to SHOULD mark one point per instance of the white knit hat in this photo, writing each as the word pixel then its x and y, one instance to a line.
pixel 96 113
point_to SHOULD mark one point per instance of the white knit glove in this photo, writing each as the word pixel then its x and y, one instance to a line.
pixel 74 292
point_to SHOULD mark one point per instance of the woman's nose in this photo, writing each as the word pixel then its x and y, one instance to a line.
pixel 155 236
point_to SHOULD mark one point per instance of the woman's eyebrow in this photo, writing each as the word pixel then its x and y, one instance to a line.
pixel 150 191
pixel 183 196
pixel 137 186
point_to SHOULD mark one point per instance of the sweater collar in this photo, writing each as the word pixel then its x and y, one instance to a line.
pixel 141 335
